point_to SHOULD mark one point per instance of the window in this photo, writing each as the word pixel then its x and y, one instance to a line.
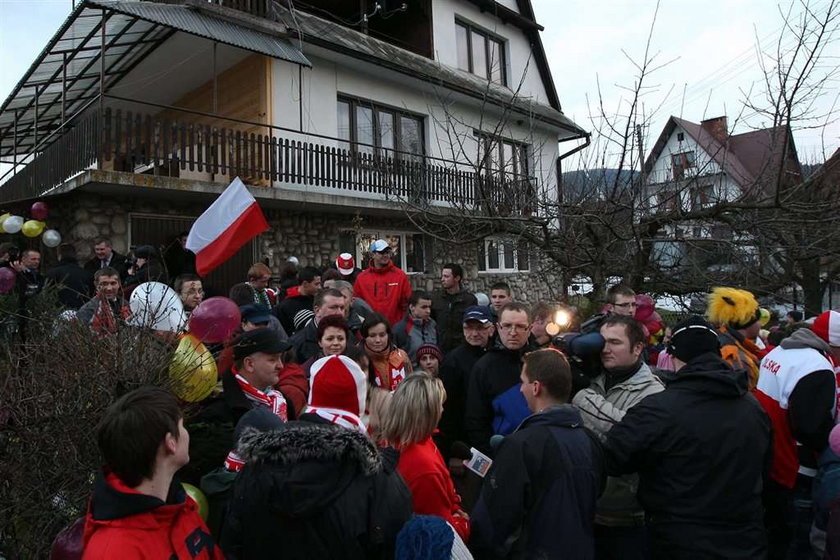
pixel 408 249
pixel 503 255
pixel 505 158
pixel 370 128
pixel 701 197
pixel 680 163
pixel 480 53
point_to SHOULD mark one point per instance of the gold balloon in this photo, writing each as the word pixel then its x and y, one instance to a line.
pixel 33 228
pixel 3 219
pixel 192 370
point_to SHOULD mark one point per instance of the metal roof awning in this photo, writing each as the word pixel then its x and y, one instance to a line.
pixel 66 75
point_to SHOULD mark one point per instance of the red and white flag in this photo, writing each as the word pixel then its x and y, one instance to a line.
pixel 231 221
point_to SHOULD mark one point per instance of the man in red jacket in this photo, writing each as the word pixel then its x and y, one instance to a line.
pixel 382 285
pixel 138 510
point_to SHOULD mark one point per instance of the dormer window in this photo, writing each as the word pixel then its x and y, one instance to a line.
pixel 480 53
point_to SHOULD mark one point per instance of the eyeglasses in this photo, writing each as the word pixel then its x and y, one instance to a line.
pixel 514 328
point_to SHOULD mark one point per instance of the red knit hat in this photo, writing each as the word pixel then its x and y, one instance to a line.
pixel 338 391
pixel 428 348
pixel 827 327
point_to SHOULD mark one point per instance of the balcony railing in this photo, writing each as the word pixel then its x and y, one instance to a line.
pixel 204 147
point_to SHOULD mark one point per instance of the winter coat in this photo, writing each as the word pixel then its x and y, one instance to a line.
pixel 314 490
pixel 701 448
pixel 74 283
pixel 291 306
pixel 455 374
pixel 123 523
pixel 798 390
pixel 538 499
pixel 387 291
pixel 305 342
pixel 101 319
pixel 432 491
pixel 448 310
pixel 410 334
pixel 151 271
pixel 601 409
pixel 826 499
pixel 494 403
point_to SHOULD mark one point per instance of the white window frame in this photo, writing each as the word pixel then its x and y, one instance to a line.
pixel 501 243
pixel 364 238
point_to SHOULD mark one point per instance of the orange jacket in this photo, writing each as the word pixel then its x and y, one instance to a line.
pixel 740 353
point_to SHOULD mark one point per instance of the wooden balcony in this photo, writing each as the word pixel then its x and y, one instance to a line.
pixel 210 148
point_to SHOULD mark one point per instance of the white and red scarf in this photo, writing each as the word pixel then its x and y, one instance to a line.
pixel 271 399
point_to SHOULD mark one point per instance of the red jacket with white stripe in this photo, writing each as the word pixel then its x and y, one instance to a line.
pixel 797 387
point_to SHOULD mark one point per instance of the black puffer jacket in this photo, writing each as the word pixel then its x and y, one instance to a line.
pixel 702 451
pixel 75 283
pixel 314 491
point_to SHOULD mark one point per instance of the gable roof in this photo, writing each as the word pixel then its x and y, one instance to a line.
pixel 746 158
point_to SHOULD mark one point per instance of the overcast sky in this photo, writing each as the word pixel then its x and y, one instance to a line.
pixel 713 42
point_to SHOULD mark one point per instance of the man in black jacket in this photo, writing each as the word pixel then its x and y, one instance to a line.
pixel 702 450
pixel 494 403
pixel 75 282
pixel 538 500
pixel 105 257
pixel 449 304
pixel 305 341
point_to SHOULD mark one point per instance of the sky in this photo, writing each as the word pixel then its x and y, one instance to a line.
pixel 711 45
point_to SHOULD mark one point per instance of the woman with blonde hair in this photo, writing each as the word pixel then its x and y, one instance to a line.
pixel 412 416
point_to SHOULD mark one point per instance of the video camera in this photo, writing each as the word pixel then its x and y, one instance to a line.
pixel 582 349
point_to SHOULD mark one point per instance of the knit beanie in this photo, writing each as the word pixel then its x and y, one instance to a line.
pixel 425 537
pixel 338 391
pixel 827 327
pixel 428 348
pixel 693 337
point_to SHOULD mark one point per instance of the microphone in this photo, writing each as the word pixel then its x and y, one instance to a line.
pixel 496 441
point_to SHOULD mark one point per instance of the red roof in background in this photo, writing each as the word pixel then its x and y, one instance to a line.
pixel 744 157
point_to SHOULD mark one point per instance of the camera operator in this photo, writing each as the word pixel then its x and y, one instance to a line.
pixel 625 379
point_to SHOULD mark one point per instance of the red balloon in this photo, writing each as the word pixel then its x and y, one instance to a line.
pixel 68 544
pixel 644 307
pixel 214 320
pixel 39 211
pixel 8 279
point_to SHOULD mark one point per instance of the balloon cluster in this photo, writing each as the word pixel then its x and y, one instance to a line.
pixel 646 314
pixel 33 227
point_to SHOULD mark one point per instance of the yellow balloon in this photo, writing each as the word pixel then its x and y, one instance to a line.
pixel 192 370
pixel 199 498
pixel 3 219
pixel 764 318
pixel 33 228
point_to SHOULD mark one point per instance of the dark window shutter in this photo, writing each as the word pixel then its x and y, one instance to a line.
pixel 347 242
pixel 524 254
pixel 482 256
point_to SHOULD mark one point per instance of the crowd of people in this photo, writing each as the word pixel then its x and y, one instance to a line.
pixel 358 418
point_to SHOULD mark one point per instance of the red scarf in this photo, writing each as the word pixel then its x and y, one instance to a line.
pixel 103 321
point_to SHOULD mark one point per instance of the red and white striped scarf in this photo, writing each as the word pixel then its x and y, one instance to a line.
pixel 339 417
pixel 271 398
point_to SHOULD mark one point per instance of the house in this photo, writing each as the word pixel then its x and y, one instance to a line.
pixel 693 167
pixel 341 117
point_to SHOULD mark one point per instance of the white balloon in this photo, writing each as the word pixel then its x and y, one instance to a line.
pixel 51 238
pixel 12 224
pixel 156 306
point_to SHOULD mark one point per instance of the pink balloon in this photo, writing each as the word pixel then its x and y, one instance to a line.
pixel 644 307
pixel 8 279
pixel 68 545
pixel 39 211
pixel 214 320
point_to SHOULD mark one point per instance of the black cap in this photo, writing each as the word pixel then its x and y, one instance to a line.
pixel 255 313
pixel 145 252
pixel 692 337
pixel 260 419
pixel 258 340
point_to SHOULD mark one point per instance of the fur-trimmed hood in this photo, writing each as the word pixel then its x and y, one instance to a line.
pixel 300 442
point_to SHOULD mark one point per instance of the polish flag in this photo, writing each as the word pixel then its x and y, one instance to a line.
pixel 231 221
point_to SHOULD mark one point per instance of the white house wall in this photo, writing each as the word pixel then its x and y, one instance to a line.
pixel 521 68
pixel 326 80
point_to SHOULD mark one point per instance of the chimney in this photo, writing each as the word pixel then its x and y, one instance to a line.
pixel 717 128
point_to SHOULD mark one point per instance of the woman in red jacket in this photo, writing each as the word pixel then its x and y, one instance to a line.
pixel 413 415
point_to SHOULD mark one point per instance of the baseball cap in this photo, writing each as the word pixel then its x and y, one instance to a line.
pixel 255 313
pixel 345 264
pixel 258 340
pixel 827 327
pixel 478 313
pixel 379 246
